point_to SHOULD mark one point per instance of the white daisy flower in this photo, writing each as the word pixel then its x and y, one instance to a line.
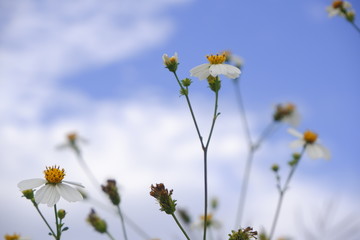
pixel 171 63
pixel 312 148
pixel 339 8
pixel 53 187
pixel 214 68
pixel 288 114
pixel 211 222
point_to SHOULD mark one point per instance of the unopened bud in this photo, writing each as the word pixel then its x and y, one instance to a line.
pixel 61 213
pixel 98 223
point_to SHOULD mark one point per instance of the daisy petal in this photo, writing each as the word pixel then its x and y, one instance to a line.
pixel 53 198
pixel 231 71
pixel 201 71
pixel 74 183
pixel 325 152
pixel 295 133
pixel 68 193
pixel 31 183
pixel 314 151
pixel 217 69
pixel 47 194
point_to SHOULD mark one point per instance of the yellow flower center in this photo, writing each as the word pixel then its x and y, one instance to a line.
pixel 54 174
pixel 337 4
pixel 290 107
pixel 72 137
pixel 216 59
pixel 209 217
pixel 12 237
pixel 310 137
pixel 173 60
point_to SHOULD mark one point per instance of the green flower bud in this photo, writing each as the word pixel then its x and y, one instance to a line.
pixel 243 234
pixel 111 190
pixel 61 213
pixel 186 82
pixel 275 167
pixel 28 194
pixel 163 196
pixel 98 223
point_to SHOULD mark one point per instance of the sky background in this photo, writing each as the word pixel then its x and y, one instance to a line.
pixel 95 67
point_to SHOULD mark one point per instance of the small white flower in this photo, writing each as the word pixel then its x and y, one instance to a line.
pixel 169 60
pixel 211 222
pixel 288 114
pixel 309 139
pixel 53 187
pixel 215 67
pixel 171 63
pixel 339 8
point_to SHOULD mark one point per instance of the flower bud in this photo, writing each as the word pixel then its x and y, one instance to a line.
pixel 98 223
pixel 171 63
pixel 111 190
pixel 61 213
pixel 186 82
pixel 163 196
pixel 214 83
pixel 28 194
pixel 184 215
pixel 243 234
pixel 275 167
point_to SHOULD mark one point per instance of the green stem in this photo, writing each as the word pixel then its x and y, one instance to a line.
pixel 216 114
pixel 136 228
pixel 87 170
pixel 191 111
pixel 252 146
pixel 58 226
pixel 355 26
pixel 242 111
pixel 122 222
pixel 43 218
pixel 181 228
pixel 244 186
pixel 109 235
pixel 282 193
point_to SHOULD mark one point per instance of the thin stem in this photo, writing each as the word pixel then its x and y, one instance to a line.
pixel 58 227
pixel 87 170
pixel 282 193
pixel 122 222
pixel 205 193
pixel 216 114
pixel 242 111
pixel 266 133
pixel 92 178
pixel 136 227
pixel 181 228
pixel 191 111
pixel 252 146
pixel 355 26
pixel 43 218
pixel 244 187
pixel 109 235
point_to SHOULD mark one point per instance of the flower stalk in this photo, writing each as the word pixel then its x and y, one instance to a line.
pixel 293 164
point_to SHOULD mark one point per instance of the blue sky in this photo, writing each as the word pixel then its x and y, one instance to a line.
pixel 96 68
